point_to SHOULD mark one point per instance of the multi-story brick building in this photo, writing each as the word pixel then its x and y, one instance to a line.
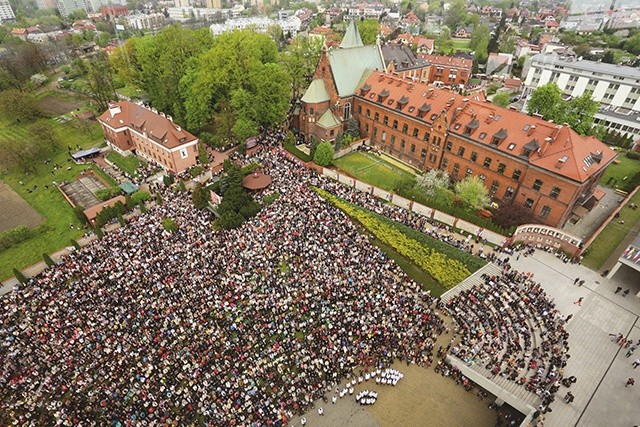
pixel 132 128
pixel 543 166
pixel 448 70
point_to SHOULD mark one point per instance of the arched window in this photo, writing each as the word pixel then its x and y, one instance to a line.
pixel 347 111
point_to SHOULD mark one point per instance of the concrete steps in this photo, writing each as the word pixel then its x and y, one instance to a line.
pixel 475 279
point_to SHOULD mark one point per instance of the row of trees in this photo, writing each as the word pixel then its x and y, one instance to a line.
pixel 237 81
pixel 578 112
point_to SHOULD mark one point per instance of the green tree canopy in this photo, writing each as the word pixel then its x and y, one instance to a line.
pixel 324 154
pixel 501 99
pixel 369 29
pixel 546 100
pixel 473 193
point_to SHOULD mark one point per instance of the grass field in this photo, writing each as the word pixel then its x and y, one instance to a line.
pixel 616 172
pixel 127 164
pixel 372 169
pixel 461 45
pixel 614 233
pixel 54 233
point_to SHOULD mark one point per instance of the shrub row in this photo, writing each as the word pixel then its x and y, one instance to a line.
pixel 633 155
pixel 446 271
pixel 15 236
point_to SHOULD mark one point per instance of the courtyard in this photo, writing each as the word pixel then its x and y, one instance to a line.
pixel 373 169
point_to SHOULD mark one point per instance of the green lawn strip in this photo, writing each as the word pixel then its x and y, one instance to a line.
pixel 626 168
pixel 54 233
pixel 445 270
pixel 374 171
pixel 291 148
pixel 605 244
pixel 127 164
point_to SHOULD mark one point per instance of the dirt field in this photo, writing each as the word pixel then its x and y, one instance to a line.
pixel 15 211
pixel 57 106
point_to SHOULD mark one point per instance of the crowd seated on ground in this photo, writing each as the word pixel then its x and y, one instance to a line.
pixel 510 326
pixel 236 327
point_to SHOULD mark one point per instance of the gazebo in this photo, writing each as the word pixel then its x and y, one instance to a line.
pixel 257 180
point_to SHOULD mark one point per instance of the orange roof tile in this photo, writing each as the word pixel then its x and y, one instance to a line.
pixel 157 127
pixel 555 148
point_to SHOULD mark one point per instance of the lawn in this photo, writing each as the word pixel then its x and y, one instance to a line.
pixel 55 232
pixel 372 169
pixel 614 233
pixel 614 176
pixel 127 164
pixel 131 92
pixel 461 45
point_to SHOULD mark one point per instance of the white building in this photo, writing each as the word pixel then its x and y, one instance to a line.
pixel 615 87
pixel 142 21
pixel 6 13
pixel 199 13
pixel 261 24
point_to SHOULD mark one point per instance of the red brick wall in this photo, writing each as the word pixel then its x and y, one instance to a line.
pixel 121 139
pixel 441 73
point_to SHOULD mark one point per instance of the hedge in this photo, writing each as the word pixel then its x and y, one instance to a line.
pixel 446 271
pixel 633 155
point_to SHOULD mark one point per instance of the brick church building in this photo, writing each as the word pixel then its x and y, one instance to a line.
pixel 543 166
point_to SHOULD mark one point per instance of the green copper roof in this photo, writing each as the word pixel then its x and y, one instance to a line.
pixel 316 92
pixel 351 37
pixel 328 120
pixel 349 65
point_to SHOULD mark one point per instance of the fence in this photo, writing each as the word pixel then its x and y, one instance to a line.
pixel 350 149
pixel 491 237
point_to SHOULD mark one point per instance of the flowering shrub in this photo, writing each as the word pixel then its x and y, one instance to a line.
pixel 445 270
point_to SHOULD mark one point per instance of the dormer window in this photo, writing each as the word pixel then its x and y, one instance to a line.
pixel 365 89
pixel 472 126
pixel 530 147
pixel 402 102
pixel 499 136
pixel 383 95
pixel 422 111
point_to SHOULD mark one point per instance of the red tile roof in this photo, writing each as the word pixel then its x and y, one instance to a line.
pixel 159 128
pixel 448 61
pixel 555 148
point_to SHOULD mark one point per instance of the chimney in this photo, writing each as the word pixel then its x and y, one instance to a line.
pixel 114 109
pixel 531 129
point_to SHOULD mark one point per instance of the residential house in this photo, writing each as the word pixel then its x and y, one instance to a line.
pixel 448 70
pixel 132 128
pixel 463 33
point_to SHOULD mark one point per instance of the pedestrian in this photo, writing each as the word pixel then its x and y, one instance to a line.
pixel 636 363
pixel 303 421
pixel 579 302
pixel 333 399
pixel 575 282
pixel 631 350
pixel 630 381
pixel 568 318
pixel 568 398
pixel 580 283
pixel 618 289
pixel 625 293
pixel 320 411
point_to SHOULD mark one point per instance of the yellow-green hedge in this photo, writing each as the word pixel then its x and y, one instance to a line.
pixel 445 270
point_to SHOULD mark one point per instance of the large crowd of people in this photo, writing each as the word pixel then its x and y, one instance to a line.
pixel 512 328
pixel 237 327
pixel 241 327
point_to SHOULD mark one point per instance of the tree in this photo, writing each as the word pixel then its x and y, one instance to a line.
pixel 480 42
pixel 580 113
pixel 47 260
pixel 444 42
pixel 473 192
pixel 200 197
pixel 512 215
pixel 75 244
pixel 455 14
pixel 608 57
pixel 19 276
pixel 19 61
pixel 369 30
pixel 170 225
pixel 100 81
pixel 324 154
pixel 546 101
pixel 632 45
pixel 433 181
pixel 99 232
pixel 300 60
pixel 501 99
pixel 18 106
